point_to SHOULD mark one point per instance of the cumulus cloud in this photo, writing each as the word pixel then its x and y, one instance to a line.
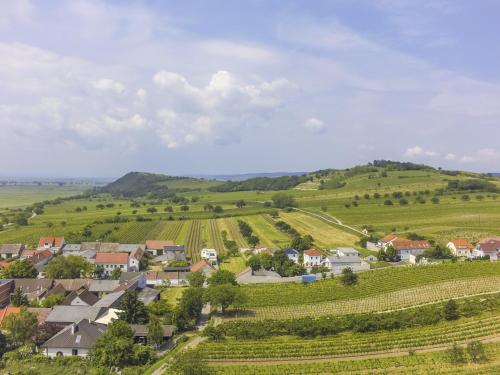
pixel 484 155
pixel 417 151
pixel 107 84
pixel 315 125
pixel 450 157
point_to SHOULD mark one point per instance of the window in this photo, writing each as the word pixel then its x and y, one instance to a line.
pixel 74 352
pixel 59 354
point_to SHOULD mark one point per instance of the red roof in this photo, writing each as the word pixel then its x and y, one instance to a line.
pixel 9 310
pixel 402 244
pixel 312 252
pixel 111 258
pixel 260 247
pixel 28 253
pixel 52 241
pixel 40 255
pixel 158 244
pixel 490 246
pixel 389 238
pixel 462 244
pixel 199 265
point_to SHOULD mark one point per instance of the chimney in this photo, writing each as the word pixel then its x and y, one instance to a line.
pixel 74 328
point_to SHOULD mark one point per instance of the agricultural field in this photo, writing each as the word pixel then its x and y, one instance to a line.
pixel 24 195
pixel 194 241
pixel 263 227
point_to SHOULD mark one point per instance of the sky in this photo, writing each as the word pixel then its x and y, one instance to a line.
pixel 100 88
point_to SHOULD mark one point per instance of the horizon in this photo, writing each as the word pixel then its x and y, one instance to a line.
pixel 98 88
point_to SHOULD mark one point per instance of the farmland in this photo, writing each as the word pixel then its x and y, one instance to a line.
pixel 23 195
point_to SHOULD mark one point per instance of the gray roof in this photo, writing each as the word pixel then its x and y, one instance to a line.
pixel 128 248
pixel 83 294
pixel 87 254
pixel 347 250
pixel 105 286
pixel 343 259
pixel 72 247
pixel 32 285
pixel 127 276
pixel 170 256
pixel 142 330
pixel 74 314
pixel 13 248
pixel 111 300
pixel 291 252
pixel 81 335
pixel 72 284
pixel 148 295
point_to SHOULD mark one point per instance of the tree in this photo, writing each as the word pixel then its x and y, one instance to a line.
pixel 185 208
pixel 348 277
pixel 20 327
pixel 222 295
pixel 476 352
pixel 18 298
pixel 253 240
pixel 456 355
pixel 196 279
pixel 451 311
pixel 282 200
pixel 254 263
pixel 222 277
pixel 52 300
pixel 19 269
pixel 162 310
pixel 240 203
pixel 115 347
pixel 3 344
pixel 218 209
pixel 155 332
pixel 116 274
pixel 189 307
pixel 68 267
pixel 133 311
pixel 98 272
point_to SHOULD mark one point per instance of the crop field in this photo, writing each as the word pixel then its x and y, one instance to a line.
pixel 215 239
pixel 421 363
pixel 324 234
pixel 400 299
pixel 21 196
pixel 194 240
pixel 234 232
pixel 268 234
pixel 370 283
pixel 348 343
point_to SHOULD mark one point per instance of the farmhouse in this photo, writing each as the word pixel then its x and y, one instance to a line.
pixel 111 261
pixel 312 258
pixel 8 251
pixel 155 247
pixel 54 244
pixel 387 240
pixel 460 248
pixel 489 247
pixel 74 340
pixel 210 255
pixel 345 257
pixel 406 247
pixel 292 254
pixel 135 259
pixel 203 266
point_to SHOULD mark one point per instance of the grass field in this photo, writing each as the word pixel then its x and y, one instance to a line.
pixel 22 196
pixel 267 233
pixel 234 264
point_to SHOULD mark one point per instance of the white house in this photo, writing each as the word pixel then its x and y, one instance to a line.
pixel 346 252
pixel 405 248
pixel 292 254
pixel 210 255
pixel 110 261
pixel 489 247
pixel 312 258
pixel 54 244
pixel 74 340
pixel 8 251
pixel 460 248
pixel 134 259
pixel 385 241
pixel 345 257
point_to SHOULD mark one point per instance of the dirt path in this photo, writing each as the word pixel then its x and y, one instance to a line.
pixel 329 218
pixel 384 354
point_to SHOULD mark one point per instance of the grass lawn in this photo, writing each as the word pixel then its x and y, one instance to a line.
pixel 173 294
pixel 234 264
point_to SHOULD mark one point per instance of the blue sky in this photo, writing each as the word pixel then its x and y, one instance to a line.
pixel 99 88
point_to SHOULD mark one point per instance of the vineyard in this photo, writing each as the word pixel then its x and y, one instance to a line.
pixel 193 240
pixel 349 343
pixel 372 283
pixel 215 239
pixel 420 363
pixel 234 233
pixel 400 299
pixel 268 234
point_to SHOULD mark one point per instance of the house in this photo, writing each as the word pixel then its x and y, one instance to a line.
pixel 405 247
pixel 203 266
pixel 71 248
pixel 460 248
pixel 346 252
pixel 172 253
pixel 162 278
pixel 34 289
pixel 6 288
pixel 74 340
pixel 111 261
pixel 312 258
pixel 70 285
pixel 110 301
pixel 260 249
pixel 155 247
pixel 73 314
pixel 101 287
pixel 40 259
pixel 54 244
pixel 40 312
pixel 339 262
pixel 489 247
pixel 148 295
pixel 141 333
pixel 292 254
pixel 9 251
pixel 134 261
pixel 80 297
pixel 386 240
pixel 89 255
pixel 210 255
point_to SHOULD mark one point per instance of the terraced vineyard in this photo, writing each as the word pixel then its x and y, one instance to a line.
pixel 193 240
pixel 400 299
pixel 355 343
pixel 215 239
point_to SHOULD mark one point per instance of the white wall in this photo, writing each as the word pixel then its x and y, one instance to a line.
pixel 52 352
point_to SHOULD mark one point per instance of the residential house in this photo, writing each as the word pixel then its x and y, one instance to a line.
pixel 111 300
pixel 54 244
pixel 111 261
pixel 161 278
pixel 80 297
pixel 6 288
pixel 346 252
pixel 9 251
pixel 40 259
pixel 405 247
pixel 135 257
pixel 292 254
pixel 386 240
pixel 71 248
pixel 155 247
pixel 141 333
pixel 102 287
pixel 203 266
pixel 74 340
pixel 33 289
pixel 460 248
pixel 312 258
pixel 345 258
pixel 63 315
pixel 172 253
pixel 210 255
pixel 489 247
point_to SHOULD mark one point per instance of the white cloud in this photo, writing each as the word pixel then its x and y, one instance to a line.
pixel 450 157
pixel 417 151
pixel 315 125
pixel 107 84
pixel 485 155
pixel 142 94
pixel 15 12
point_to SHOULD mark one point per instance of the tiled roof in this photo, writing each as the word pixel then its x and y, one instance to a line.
pixel 462 244
pixel 9 310
pixel 52 241
pixel 73 314
pixel 490 246
pixel 199 265
pixel 137 253
pixel 14 248
pixel 40 256
pixel 312 252
pixel 158 244
pixel 81 335
pixel 389 238
pixel 402 244
pixel 111 258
